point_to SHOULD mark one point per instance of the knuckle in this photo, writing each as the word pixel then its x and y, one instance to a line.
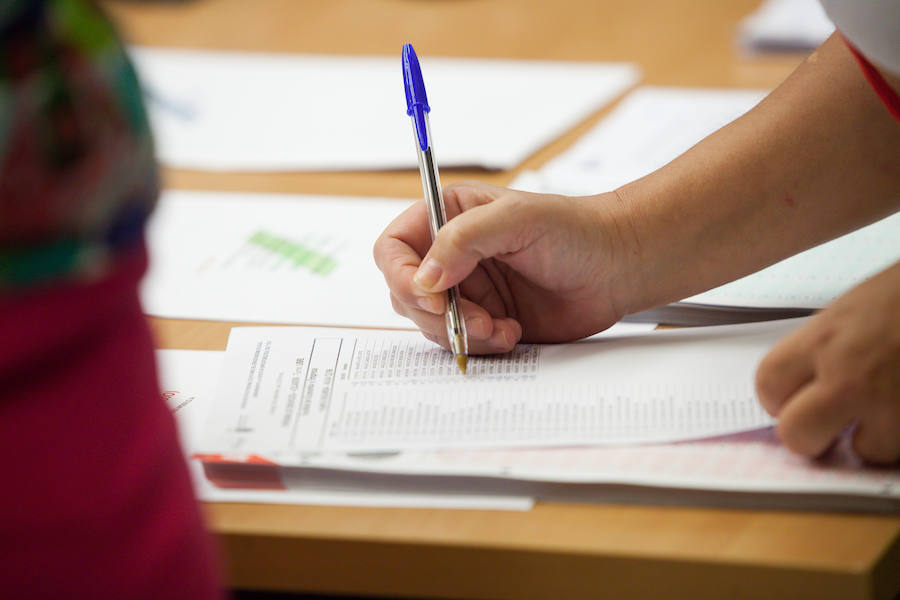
pixel 519 205
pixel 792 436
pixel 766 382
pixel 399 278
pixel 465 194
pixel 456 187
pixel 378 252
pixel 455 236
pixel 839 387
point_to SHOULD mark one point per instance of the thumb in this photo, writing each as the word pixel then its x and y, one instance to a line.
pixel 485 231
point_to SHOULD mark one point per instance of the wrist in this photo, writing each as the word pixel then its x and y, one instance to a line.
pixel 659 241
pixel 616 220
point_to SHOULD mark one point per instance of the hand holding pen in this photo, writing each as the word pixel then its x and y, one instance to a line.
pixel 417 108
pixel 530 267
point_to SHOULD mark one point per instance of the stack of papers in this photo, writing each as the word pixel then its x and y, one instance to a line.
pixel 276 112
pixel 386 393
pixel 287 392
pixel 188 381
pixel 654 125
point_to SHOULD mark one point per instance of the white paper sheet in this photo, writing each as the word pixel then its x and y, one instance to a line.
pixel 649 128
pixel 750 462
pixel 814 278
pixel 747 461
pixel 751 469
pixel 785 25
pixel 272 112
pixel 652 126
pixel 269 258
pixel 289 392
pixel 187 380
pixel 243 257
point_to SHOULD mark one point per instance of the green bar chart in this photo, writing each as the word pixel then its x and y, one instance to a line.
pixel 297 253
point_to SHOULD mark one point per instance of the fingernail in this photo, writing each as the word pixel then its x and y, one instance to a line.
pixel 428 274
pixel 430 304
pixel 475 327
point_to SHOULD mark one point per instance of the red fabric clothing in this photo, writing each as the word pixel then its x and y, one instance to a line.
pixel 97 501
pixel 888 95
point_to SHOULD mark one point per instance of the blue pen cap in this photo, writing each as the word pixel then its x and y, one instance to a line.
pixel 416 99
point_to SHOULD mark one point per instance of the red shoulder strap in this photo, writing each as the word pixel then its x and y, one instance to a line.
pixel 884 90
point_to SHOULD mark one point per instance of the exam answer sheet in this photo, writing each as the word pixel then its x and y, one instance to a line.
pixel 286 393
pixel 751 468
pixel 187 381
pixel 232 111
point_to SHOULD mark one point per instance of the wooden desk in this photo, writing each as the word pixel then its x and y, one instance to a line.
pixel 556 551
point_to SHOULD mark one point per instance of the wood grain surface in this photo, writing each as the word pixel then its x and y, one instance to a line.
pixel 555 551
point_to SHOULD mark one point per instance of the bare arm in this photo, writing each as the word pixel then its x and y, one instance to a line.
pixel 819 157
pixel 816 159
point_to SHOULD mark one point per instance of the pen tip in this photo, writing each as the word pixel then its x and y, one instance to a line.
pixel 462 361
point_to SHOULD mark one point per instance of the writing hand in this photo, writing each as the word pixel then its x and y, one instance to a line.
pixel 531 267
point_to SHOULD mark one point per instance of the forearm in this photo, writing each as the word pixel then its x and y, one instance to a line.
pixel 818 158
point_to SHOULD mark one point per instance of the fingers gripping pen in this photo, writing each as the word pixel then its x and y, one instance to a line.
pixel 417 108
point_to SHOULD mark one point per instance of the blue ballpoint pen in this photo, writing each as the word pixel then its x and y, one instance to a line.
pixel 417 108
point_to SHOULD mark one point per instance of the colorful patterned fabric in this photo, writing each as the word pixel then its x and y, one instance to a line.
pixel 77 177
pixel 103 504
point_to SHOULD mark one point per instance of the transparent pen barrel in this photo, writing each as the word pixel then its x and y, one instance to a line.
pixel 456 325
pixel 437 217
pixel 431 182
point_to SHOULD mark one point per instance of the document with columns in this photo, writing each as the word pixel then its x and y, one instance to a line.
pixel 287 393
